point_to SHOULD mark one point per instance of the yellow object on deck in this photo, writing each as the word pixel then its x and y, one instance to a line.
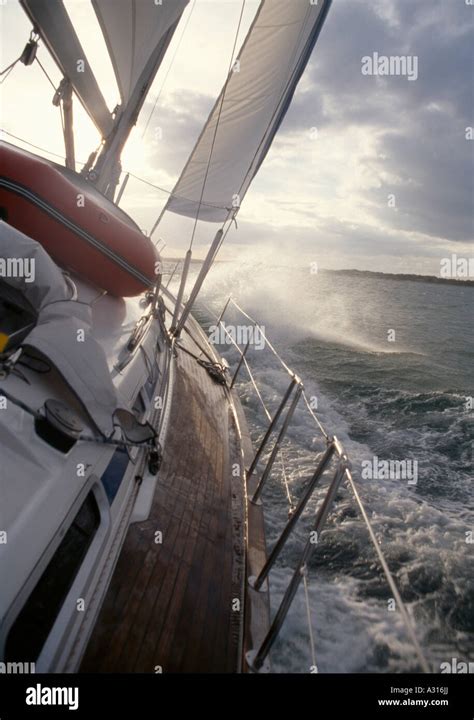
pixel 3 341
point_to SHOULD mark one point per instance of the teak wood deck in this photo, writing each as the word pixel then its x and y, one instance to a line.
pixel 172 606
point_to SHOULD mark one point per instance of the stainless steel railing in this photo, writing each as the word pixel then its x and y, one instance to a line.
pixel 334 455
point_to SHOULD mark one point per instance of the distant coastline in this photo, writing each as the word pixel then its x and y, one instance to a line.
pixel 403 276
pixel 369 273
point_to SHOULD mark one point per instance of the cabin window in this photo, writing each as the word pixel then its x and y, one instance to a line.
pixel 31 628
pixel 114 473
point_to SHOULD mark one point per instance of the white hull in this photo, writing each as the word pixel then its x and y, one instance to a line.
pixel 44 486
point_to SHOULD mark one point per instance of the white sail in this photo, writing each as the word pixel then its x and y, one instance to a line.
pixel 133 31
pixel 51 20
pixel 249 110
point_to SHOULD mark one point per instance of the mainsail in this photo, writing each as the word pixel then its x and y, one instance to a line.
pixel 50 19
pixel 245 118
pixel 137 34
pixel 249 110
pixel 133 31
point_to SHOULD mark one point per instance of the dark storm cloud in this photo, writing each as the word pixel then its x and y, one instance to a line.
pixel 439 32
pixel 436 195
pixel 420 124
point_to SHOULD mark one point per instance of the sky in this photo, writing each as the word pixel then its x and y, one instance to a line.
pixel 369 172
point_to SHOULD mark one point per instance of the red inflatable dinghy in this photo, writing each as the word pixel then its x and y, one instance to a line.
pixel 81 229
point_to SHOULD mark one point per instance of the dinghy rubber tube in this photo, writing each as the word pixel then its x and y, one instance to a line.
pixel 78 227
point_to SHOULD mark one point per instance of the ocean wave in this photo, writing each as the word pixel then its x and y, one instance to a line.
pixel 408 401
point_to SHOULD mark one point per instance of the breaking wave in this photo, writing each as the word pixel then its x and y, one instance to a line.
pixel 405 398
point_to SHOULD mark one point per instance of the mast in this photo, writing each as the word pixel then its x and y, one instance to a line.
pixel 52 23
pixel 106 172
pixel 63 98
pixel 137 34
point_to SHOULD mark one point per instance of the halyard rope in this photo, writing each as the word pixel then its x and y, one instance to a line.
pixel 169 69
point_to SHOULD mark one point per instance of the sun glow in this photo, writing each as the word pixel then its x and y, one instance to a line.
pixel 134 156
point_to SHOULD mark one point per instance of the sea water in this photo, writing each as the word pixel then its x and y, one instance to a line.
pixel 388 364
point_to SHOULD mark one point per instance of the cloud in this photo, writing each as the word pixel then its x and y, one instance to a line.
pixel 173 128
pixel 419 153
pixel 379 139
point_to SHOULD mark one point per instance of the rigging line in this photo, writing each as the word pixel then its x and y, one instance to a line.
pixel 285 481
pixel 203 363
pixel 63 124
pixel 249 317
pixel 217 126
pixel 222 240
pixel 172 274
pixel 389 577
pixel 198 345
pixel 308 614
pixel 257 390
pixel 170 192
pixel 168 70
pixel 37 147
pixel 46 73
pixel 315 417
pixel 269 418
pixel 7 72
pixel 285 87
pixel 204 271
pixel 37 415
pixel 262 402
pixel 276 201
pixel 252 380
pixel 10 67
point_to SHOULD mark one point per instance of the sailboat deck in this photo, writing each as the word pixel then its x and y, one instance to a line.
pixel 170 605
